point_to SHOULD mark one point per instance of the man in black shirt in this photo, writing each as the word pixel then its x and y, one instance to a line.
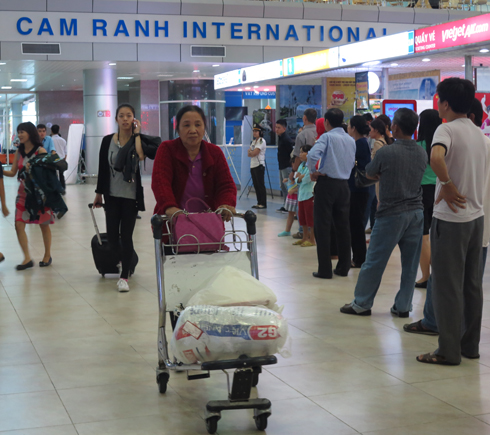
pixel 285 146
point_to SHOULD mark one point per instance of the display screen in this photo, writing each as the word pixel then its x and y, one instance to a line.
pixel 391 108
pixel 235 113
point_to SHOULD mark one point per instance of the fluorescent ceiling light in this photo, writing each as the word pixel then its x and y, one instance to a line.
pixel 125 78
pixel 484 50
pixel 196 71
pixel 6 87
pixel 165 75
pixel 113 63
pixel 247 89
pixel 255 86
pixel 240 89
pixel 18 80
pixel 371 63
pixel 394 64
pixel 214 66
pixel 266 90
pixel 426 59
pixel 463 65
pixel 3 63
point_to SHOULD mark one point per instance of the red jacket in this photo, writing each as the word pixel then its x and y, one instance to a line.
pixel 171 170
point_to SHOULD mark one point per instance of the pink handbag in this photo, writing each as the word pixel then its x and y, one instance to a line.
pixel 198 232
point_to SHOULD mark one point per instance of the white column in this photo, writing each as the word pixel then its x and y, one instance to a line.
pixel 468 68
pixel 99 98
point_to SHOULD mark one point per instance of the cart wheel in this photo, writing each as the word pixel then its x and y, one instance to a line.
pixel 255 379
pixel 162 380
pixel 212 424
pixel 261 421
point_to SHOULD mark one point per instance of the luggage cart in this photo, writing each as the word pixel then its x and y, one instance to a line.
pixel 247 369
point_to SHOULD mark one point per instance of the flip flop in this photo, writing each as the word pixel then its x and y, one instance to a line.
pixel 299 242
pixel 432 358
pixel 306 244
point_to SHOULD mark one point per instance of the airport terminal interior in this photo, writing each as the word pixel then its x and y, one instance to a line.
pixel 77 357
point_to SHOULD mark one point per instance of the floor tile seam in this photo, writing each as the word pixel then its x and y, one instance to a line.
pixel 483 421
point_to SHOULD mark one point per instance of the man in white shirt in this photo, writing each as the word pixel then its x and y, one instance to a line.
pixel 60 148
pixel 256 152
pixel 459 158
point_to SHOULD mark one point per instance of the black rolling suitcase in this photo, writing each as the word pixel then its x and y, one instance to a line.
pixel 104 259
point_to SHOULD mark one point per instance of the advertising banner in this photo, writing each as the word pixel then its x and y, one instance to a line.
pixel 414 86
pixel 362 92
pixel 311 62
pixel 453 34
pixel 341 93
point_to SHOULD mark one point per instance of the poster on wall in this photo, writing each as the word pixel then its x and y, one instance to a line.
pixel 341 94
pixel 362 93
pixel 414 86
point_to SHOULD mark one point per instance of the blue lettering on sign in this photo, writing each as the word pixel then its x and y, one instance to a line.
pixel 292 33
pixel 100 25
pixel 121 28
pixel 308 32
pixel 19 26
pixel 45 27
pixel 196 28
pixel 236 28
pixel 185 29
pixel 139 26
pixel 158 28
pixel 254 29
pixel 69 30
pixel 218 29
pixel 270 31
pixel 330 33
pixel 351 34
pixel 371 33
pixel 322 33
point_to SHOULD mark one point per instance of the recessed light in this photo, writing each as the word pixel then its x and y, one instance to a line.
pixel 196 71
pixel 394 64
pixel 214 66
pixel 266 89
pixel 240 89
pixel 247 89
pixel 426 59
pixel 3 63
pixel 125 78
pixel 18 80
pixel 463 66
pixel 126 85
pixel 113 63
pixel 484 50
pixel 255 87
pixel 6 87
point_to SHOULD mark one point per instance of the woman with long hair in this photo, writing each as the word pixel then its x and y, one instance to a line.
pixel 123 196
pixel 429 121
pixel 30 146
pixel 358 129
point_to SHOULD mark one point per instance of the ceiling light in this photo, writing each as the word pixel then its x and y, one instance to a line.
pixel 372 63
pixel 113 63
pixel 240 89
pixel 196 71
pixel 165 75
pixel 3 63
pixel 247 89
pixel 484 50
pixel 266 89
pixel 426 59
pixel 373 82
pixel 256 86
pixel 394 64
pixel 6 87
pixel 214 66
pixel 18 80
pixel 463 66
pixel 125 78
pixel 126 85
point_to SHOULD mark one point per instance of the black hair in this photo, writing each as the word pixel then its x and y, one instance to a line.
pixel 189 108
pixel 407 120
pixel 40 126
pixel 458 93
pixel 367 116
pixel 429 121
pixel 125 105
pixel 261 132
pixel 360 124
pixel 477 110
pixel 306 148
pixel 282 122
pixel 55 129
pixel 31 130
pixel 335 117
pixel 386 119
pixel 380 127
pixel 311 115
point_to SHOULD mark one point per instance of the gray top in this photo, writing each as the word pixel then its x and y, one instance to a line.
pixel 306 137
pixel 401 167
pixel 119 188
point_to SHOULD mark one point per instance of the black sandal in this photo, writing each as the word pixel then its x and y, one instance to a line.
pixel 418 328
pixel 432 358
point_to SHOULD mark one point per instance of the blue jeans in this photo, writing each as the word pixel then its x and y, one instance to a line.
pixel 284 173
pixel 404 230
pixel 429 320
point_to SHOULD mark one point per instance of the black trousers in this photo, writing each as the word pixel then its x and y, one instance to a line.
pixel 332 199
pixel 358 204
pixel 62 178
pixel 120 218
pixel 259 184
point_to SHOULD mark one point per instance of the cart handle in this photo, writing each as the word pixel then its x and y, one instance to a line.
pixel 250 218
pixel 157 226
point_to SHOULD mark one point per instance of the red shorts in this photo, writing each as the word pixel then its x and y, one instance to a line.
pixel 305 213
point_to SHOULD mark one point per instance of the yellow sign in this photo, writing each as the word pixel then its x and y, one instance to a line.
pixel 341 94
pixel 311 62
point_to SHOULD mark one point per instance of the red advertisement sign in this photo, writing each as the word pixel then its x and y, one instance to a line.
pixel 453 34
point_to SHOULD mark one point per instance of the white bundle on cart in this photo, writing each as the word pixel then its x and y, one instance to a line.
pixel 209 333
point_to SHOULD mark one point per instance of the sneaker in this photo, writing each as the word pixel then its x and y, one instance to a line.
pixel 281 210
pixel 260 206
pixel 122 285
pixel 284 234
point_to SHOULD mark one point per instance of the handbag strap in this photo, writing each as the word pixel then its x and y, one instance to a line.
pixel 196 199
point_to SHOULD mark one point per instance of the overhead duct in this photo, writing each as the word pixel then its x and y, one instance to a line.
pixel 40 48
pixel 207 51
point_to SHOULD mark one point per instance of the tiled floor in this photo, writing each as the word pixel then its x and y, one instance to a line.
pixel 76 357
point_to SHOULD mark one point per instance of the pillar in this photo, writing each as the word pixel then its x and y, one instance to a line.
pixel 468 68
pixel 16 118
pixel 99 110
pixel 324 95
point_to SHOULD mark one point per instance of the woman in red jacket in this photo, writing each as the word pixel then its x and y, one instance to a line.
pixel 188 167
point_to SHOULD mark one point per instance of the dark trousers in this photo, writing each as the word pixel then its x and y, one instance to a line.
pixel 120 218
pixel 456 257
pixel 259 184
pixel 358 204
pixel 332 206
pixel 62 178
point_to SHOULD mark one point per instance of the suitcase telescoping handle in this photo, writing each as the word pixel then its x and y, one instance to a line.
pixel 91 207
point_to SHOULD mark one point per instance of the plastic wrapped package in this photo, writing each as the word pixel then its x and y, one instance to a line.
pixel 230 286
pixel 209 333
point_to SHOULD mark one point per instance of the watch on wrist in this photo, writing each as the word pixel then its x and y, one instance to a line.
pixel 444 183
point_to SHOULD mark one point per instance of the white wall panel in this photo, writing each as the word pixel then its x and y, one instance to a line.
pixel 209 8
pixel 360 13
pixel 116 6
pixel 239 53
pixel 120 52
pixel 69 6
pixel 23 5
pixel 318 11
pixel 74 51
pixel 243 8
pixel 283 10
pixel 12 51
pixel 431 16
pixel 164 7
pixel 396 15
pixel 159 52
pixel 275 53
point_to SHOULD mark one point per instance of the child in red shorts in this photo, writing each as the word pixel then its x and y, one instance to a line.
pixel 305 199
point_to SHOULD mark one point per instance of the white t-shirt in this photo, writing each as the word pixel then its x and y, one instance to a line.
pixel 486 203
pixel 260 158
pixel 467 160
pixel 59 145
